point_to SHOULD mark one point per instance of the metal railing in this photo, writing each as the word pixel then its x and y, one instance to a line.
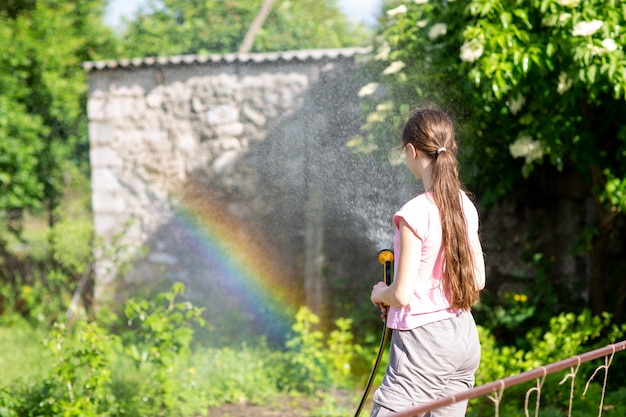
pixel 538 374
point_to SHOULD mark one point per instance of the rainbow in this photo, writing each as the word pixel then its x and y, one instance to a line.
pixel 249 278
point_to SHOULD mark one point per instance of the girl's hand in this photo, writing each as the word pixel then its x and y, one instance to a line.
pixel 383 311
pixel 376 294
pixel 376 299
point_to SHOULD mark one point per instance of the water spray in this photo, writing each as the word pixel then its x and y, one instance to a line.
pixel 385 257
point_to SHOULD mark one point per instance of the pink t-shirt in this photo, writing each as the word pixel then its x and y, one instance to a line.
pixel 430 302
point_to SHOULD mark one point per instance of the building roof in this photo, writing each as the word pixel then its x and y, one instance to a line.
pixel 286 56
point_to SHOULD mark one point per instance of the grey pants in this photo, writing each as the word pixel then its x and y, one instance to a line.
pixel 427 363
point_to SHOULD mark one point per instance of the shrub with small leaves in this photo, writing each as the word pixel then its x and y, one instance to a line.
pixel 568 335
pixel 161 336
pixel 78 384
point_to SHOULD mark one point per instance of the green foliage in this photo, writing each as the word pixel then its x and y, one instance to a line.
pixel 508 314
pixel 614 402
pixel 567 335
pixel 307 367
pixel 233 374
pixel 201 27
pixel 511 312
pixel 536 80
pixel 79 380
pixel 341 347
pixel 45 240
pixel 89 371
pixel 71 237
pixel 310 363
pixel 161 336
pixel 22 353
pixel 538 88
pixel 42 99
pixel 613 195
pixel 9 403
pixel 78 383
pixel 46 267
pixel 73 379
pixel 208 378
pixel 19 189
pixel 38 297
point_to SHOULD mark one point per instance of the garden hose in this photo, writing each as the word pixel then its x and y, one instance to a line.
pixel 385 257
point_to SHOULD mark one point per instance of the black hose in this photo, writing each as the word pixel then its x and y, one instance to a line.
pixel 385 336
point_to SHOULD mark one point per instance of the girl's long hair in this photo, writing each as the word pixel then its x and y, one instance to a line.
pixel 432 131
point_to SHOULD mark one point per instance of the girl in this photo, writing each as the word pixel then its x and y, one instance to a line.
pixel 439 272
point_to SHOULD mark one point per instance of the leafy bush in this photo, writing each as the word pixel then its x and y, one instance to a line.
pixel 38 297
pixel 160 341
pixel 78 384
pixel 568 335
pixel 310 363
pixel 306 367
pixel 83 357
pixel 151 369
pixel 232 374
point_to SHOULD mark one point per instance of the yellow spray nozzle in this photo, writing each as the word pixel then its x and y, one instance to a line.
pixel 385 256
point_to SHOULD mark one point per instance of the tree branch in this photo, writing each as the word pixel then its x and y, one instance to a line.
pixel 248 40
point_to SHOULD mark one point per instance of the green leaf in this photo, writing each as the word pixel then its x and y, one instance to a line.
pixel 591 73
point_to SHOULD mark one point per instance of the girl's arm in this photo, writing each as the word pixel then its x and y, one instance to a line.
pixel 400 292
pixel 479 261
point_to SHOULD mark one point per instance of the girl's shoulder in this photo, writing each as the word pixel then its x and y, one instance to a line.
pixel 424 200
pixel 418 212
pixel 421 207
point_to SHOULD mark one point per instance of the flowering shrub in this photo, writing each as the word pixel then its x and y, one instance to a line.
pixel 532 83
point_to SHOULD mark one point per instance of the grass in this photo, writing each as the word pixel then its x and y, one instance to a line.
pixel 22 353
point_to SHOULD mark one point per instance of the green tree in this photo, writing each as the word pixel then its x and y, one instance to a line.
pixel 172 27
pixel 43 133
pixel 43 96
pixel 539 84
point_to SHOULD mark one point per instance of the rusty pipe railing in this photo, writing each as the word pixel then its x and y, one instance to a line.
pixel 501 384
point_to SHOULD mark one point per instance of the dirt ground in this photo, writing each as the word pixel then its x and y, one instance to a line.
pixel 338 403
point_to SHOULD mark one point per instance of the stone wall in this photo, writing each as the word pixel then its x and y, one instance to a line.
pixel 253 141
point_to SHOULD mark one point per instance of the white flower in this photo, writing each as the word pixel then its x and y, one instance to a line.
pixel 421 23
pixel 595 50
pixel 564 17
pixel 609 45
pixel 517 104
pixel 394 67
pixel 398 10
pixel 471 50
pixel 385 107
pixel 587 28
pixel 552 19
pixel 383 52
pixel 374 117
pixel 420 1
pixel 569 3
pixel 368 89
pixel 564 83
pixel 437 30
pixel 526 147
